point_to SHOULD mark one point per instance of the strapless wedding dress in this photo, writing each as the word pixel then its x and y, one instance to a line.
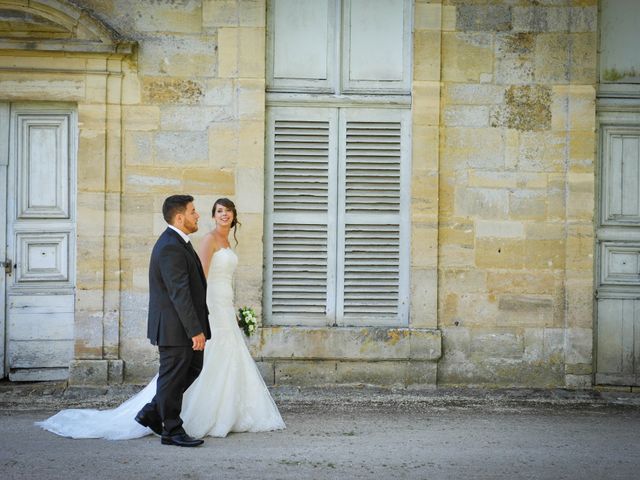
pixel 228 396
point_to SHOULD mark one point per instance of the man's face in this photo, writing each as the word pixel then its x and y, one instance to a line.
pixel 189 219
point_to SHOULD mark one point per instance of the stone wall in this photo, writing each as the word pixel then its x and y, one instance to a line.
pixel 517 149
pixel 503 149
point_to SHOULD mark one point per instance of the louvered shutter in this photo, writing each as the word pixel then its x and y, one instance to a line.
pixel 373 240
pixel 300 226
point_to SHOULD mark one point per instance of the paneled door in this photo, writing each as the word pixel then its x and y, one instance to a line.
pixel 618 266
pixel 37 175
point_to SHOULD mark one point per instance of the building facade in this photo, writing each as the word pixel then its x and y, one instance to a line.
pixel 431 193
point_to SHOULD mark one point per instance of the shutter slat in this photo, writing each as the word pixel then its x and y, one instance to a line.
pixel 372 170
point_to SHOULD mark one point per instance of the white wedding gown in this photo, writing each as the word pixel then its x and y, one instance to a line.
pixel 228 396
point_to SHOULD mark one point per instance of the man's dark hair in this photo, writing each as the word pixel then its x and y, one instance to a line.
pixel 173 205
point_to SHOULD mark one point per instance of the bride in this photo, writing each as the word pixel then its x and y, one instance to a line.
pixel 229 395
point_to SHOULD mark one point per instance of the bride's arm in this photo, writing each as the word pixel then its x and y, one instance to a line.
pixel 205 252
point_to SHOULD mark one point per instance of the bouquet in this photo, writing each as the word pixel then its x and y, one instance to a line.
pixel 247 320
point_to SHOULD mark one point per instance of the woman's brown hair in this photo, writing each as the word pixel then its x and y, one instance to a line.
pixel 225 202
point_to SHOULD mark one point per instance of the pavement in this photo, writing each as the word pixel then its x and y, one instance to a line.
pixel 347 432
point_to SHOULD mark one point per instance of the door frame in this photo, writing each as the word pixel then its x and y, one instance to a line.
pixel 4 164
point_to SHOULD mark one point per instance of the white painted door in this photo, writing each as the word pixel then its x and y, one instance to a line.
pixel 618 268
pixel 40 240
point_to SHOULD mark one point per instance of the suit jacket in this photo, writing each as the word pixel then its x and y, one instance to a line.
pixel 177 293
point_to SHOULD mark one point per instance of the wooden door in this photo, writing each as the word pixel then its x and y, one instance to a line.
pixel 40 241
pixel 618 266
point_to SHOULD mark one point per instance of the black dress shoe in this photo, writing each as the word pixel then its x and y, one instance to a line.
pixel 154 424
pixel 181 440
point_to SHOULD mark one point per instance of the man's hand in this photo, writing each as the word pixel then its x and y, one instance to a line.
pixel 198 342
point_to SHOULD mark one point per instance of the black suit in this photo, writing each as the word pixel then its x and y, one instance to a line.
pixel 177 312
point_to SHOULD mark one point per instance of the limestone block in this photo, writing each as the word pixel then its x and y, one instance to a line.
pixel 90 262
pixel 206 180
pixel 582 112
pixel 424 244
pixel 372 343
pixel 228 44
pixel 424 298
pixel 250 190
pixel 514 58
pixel 482 203
pixel 252 13
pixel 131 88
pixel 50 87
pixel 425 146
pixel 579 368
pixel 471 310
pixel 193 118
pixel 533 344
pixel 163 90
pixel 140 357
pixel 499 229
pixel 167 17
pixel 579 345
pixel 305 373
pixel 251 99
pixel 463 280
pixel 499 253
pixel 554 343
pixel 545 231
pixel 457 232
pixel 584 18
pixel 115 372
pixel 251 151
pixel 426 55
pixel 545 254
pixel 380 373
pixel 268 372
pixel 179 55
pixel 527 205
pixel 578 381
pixel 580 247
pixel 88 334
pixel 584 48
pixel 220 13
pixel 90 211
pixel 496 344
pixel 466 116
pixel 426 103
pixel 560 107
pixel 481 148
pixel 539 19
pixel 525 108
pixel 466 56
pixel 218 92
pixel 96 89
pixel 424 191
pixel 473 94
pixel 580 303
pixel 493 179
pixel 556 198
pixel 526 311
pixel 581 201
pixel 251 52
pixel 138 148
pixel 542 152
pixel 552 58
pixel 147 180
pixel 448 18
pixel 88 372
pixel 141 118
pixel 181 148
pixel 89 300
pixel 248 281
pixel 224 140
pixel 492 18
pixel 582 151
pixel 427 16
pixel 137 212
pixel 535 282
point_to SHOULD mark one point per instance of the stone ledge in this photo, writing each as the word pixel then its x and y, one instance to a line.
pixel 347 343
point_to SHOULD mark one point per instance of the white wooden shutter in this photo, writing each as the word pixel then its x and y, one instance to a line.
pixel 373 222
pixel 301 44
pixel 376 49
pixel 300 227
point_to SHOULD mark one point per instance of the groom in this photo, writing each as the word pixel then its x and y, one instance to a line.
pixel 178 320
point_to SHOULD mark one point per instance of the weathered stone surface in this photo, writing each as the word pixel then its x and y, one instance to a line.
pixel 492 18
pixel 88 372
pixel 525 108
pixel 167 90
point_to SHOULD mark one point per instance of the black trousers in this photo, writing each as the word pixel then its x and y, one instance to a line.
pixel 179 367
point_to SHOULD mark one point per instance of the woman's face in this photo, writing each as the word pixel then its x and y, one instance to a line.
pixel 223 216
